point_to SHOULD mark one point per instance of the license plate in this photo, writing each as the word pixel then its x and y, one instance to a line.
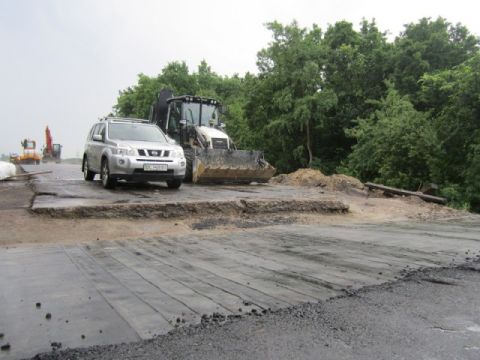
pixel 155 167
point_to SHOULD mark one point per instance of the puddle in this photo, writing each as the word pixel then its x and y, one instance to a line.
pixel 474 328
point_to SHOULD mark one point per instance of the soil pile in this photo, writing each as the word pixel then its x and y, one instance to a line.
pixel 311 177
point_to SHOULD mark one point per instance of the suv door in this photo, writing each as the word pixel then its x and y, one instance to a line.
pixel 96 148
pixel 88 144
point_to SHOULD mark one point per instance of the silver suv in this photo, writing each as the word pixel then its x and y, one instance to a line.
pixel 132 150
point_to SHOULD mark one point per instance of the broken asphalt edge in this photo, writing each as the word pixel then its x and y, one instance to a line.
pixel 188 209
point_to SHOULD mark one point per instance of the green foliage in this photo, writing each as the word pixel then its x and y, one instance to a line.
pixel 453 96
pixel 395 145
pixel 135 101
pixel 472 177
pixel 428 46
pixel 289 103
pixel 357 65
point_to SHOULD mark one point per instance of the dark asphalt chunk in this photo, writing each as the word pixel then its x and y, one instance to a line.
pixel 56 345
pixel 407 319
pixel 438 281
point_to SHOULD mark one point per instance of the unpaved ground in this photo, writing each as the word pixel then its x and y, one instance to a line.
pixel 431 314
pixel 368 205
pixel 20 226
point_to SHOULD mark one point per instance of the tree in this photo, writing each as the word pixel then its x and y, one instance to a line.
pixel 358 63
pixel 136 101
pixel 288 102
pixel 453 98
pixel 395 145
pixel 428 46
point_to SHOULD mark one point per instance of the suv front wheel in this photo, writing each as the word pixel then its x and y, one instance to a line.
pixel 174 183
pixel 107 181
pixel 87 174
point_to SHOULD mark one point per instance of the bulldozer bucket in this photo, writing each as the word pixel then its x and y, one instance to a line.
pixel 231 166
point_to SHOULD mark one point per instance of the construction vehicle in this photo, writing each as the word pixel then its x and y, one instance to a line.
pixel 212 157
pixel 29 155
pixel 51 152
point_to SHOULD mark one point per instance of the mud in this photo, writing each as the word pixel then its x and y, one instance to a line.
pixel 244 222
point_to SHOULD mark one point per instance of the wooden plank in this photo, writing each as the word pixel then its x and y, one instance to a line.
pixel 396 191
pixel 27 175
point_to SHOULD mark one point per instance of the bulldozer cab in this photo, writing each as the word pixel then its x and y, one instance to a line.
pixel 185 112
pixel 28 144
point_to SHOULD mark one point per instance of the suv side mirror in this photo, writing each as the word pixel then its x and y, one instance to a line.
pixel 97 137
pixel 170 140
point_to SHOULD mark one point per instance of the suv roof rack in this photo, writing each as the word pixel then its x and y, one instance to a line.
pixel 126 120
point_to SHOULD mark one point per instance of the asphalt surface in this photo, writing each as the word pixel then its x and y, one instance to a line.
pixel 108 292
pixel 65 188
pixel 430 315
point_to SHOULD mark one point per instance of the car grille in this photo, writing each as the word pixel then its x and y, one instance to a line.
pixel 154 153
pixel 155 160
pixel 219 143
pixel 141 171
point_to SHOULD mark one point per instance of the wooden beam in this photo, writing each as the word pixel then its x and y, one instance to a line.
pixel 395 191
pixel 27 175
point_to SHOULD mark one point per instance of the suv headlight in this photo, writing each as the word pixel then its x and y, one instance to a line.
pixel 178 154
pixel 124 151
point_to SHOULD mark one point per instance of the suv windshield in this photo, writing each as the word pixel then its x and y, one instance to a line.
pixel 135 132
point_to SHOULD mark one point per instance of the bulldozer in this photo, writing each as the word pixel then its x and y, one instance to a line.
pixel 51 152
pixel 212 157
pixel 29 155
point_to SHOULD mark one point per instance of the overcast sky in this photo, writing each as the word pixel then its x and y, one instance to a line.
pixel 62 63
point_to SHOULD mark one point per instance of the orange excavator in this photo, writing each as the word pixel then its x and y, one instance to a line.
pixel 51 151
